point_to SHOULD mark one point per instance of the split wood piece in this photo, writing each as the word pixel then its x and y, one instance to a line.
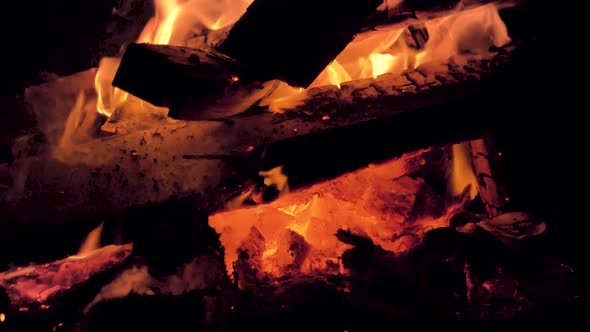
pixel 334 132
pixel 485 164
pixel 294 40
pixel 160 74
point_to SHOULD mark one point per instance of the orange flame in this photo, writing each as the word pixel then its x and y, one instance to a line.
pixel 462 176
pixel 373 53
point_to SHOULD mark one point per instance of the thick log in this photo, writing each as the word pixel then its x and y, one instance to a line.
pixel 210 162
pixel 294 40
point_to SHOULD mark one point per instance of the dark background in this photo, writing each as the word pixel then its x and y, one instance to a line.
pixel 542 134
pixel 55 35
pixel 41 38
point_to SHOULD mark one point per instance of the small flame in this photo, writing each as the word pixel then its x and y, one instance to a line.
pixel 276 177
pixel 109 97
pixel 2 317
pixel 283 97
pixel 92 241
pixel 462 175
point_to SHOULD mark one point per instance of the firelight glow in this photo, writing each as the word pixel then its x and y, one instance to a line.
pixel 369 55
pixel 468 32
pixel 295 233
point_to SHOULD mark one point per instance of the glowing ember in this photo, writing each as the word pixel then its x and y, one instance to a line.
pixel 37 283
pixel 295 234
pixel 466 33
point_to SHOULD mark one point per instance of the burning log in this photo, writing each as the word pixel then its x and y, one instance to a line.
pixel 309 37
pixel 182 78
pixel 335 128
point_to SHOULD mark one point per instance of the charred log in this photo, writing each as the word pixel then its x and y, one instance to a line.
pixel 307 39
pixel 223 159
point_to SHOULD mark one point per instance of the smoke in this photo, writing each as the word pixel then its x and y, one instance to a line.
pixel 200 273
